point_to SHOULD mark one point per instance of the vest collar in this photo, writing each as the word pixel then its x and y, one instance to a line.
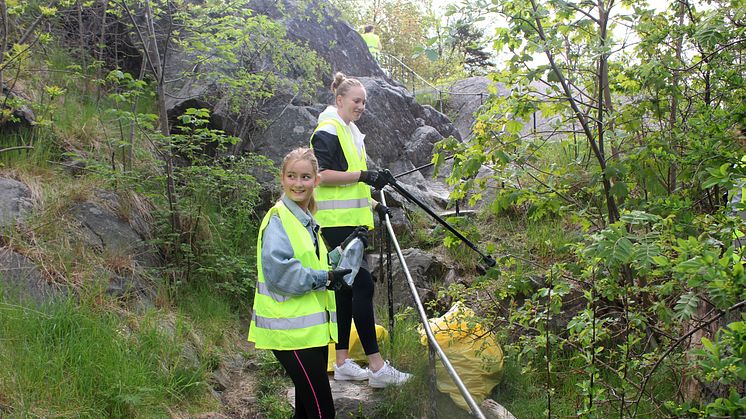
pixel 304 217
pixel 331 112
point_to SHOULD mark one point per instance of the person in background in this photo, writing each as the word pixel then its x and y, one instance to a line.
pixel 373 41
pixel 294 312
pixel 344 204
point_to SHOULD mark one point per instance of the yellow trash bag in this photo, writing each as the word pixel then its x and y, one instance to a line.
pixel 356 353
pixel 473 351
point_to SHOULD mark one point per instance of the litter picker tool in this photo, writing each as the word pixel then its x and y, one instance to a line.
pixel 391 179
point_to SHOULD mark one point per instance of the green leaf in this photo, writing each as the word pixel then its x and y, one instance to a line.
pixel 619 190
pixel 707 343
pixel 661 260
pixel 686 306
pixel 553 77
pixel 513 126
pixel 622 251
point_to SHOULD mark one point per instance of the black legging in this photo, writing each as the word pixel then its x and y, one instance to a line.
pixel 307 369
pixel 355 304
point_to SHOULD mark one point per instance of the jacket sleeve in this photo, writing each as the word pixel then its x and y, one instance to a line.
pixel 283 273
pixel 328 151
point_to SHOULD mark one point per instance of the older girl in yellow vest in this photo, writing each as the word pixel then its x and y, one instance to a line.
pixel 294 311
pixel 344 203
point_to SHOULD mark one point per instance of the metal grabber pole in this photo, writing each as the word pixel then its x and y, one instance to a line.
pixel 391 179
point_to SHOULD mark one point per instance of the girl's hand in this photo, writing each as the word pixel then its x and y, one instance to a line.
pixel 335 281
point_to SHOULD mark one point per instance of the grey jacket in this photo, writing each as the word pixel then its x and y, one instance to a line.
pixel 282 272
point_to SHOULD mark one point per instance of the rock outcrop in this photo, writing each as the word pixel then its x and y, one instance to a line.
pixel 428 272
pixel 400 133
pixel 15 201
pixel 101 227
pixel 97 225
pixel 470 95
pixel 107 232
pixel 22 279
pixel 22 114
pixel 316 23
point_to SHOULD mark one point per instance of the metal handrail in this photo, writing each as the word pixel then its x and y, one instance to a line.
pixel 475 410
pixel 388 58
pixel 402 64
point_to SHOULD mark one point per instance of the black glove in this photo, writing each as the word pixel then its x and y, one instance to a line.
pixel 361 232
pixel 335 279
pixel 382 211
pixel 375 179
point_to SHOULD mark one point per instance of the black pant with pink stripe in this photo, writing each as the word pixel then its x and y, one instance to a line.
pixel 307 369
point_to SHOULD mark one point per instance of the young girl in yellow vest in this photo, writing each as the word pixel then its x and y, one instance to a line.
pixel 344 203
pixel 294 311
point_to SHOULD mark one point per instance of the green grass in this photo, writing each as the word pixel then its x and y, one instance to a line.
pixel 548 243
pixel 404 351
pixel 28 149
pixel 272 382
pixel 65 359
pixel 525 394
pixel 211 313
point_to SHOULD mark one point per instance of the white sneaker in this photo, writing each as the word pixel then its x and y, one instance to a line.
pixel 387 376
pixel 350 371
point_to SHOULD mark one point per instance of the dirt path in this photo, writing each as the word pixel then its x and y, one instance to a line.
pixel 241 393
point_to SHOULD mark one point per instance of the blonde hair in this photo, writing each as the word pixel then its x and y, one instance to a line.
pixel 303 153
pixel 342 84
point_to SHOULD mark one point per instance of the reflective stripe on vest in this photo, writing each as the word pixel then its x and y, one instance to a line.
pixel 287 322
pixel 344 205
pixel 263 289
pixel 282 323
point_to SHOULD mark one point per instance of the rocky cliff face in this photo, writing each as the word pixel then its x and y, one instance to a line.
pixel 316 24
pixel 400 133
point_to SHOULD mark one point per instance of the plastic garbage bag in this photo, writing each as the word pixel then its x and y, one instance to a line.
pixel 356 351
pixel 351 258
pixel 473 351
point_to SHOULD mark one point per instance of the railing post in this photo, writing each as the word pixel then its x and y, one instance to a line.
pixel 389 284
pixel 534 118
pixel 433 382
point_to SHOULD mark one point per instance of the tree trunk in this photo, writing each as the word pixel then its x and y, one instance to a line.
pixel 4 41
pixel 611 205
pixel 603 86
pixel 160 66
pixel 81 36
pixel 690 386
pixel 675 146
pixel 133 125
pixel 150 45
pixel 101 44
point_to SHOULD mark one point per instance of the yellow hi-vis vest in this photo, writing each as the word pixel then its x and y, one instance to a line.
pixel 285 322
pixel 373 42
pixel 344 205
